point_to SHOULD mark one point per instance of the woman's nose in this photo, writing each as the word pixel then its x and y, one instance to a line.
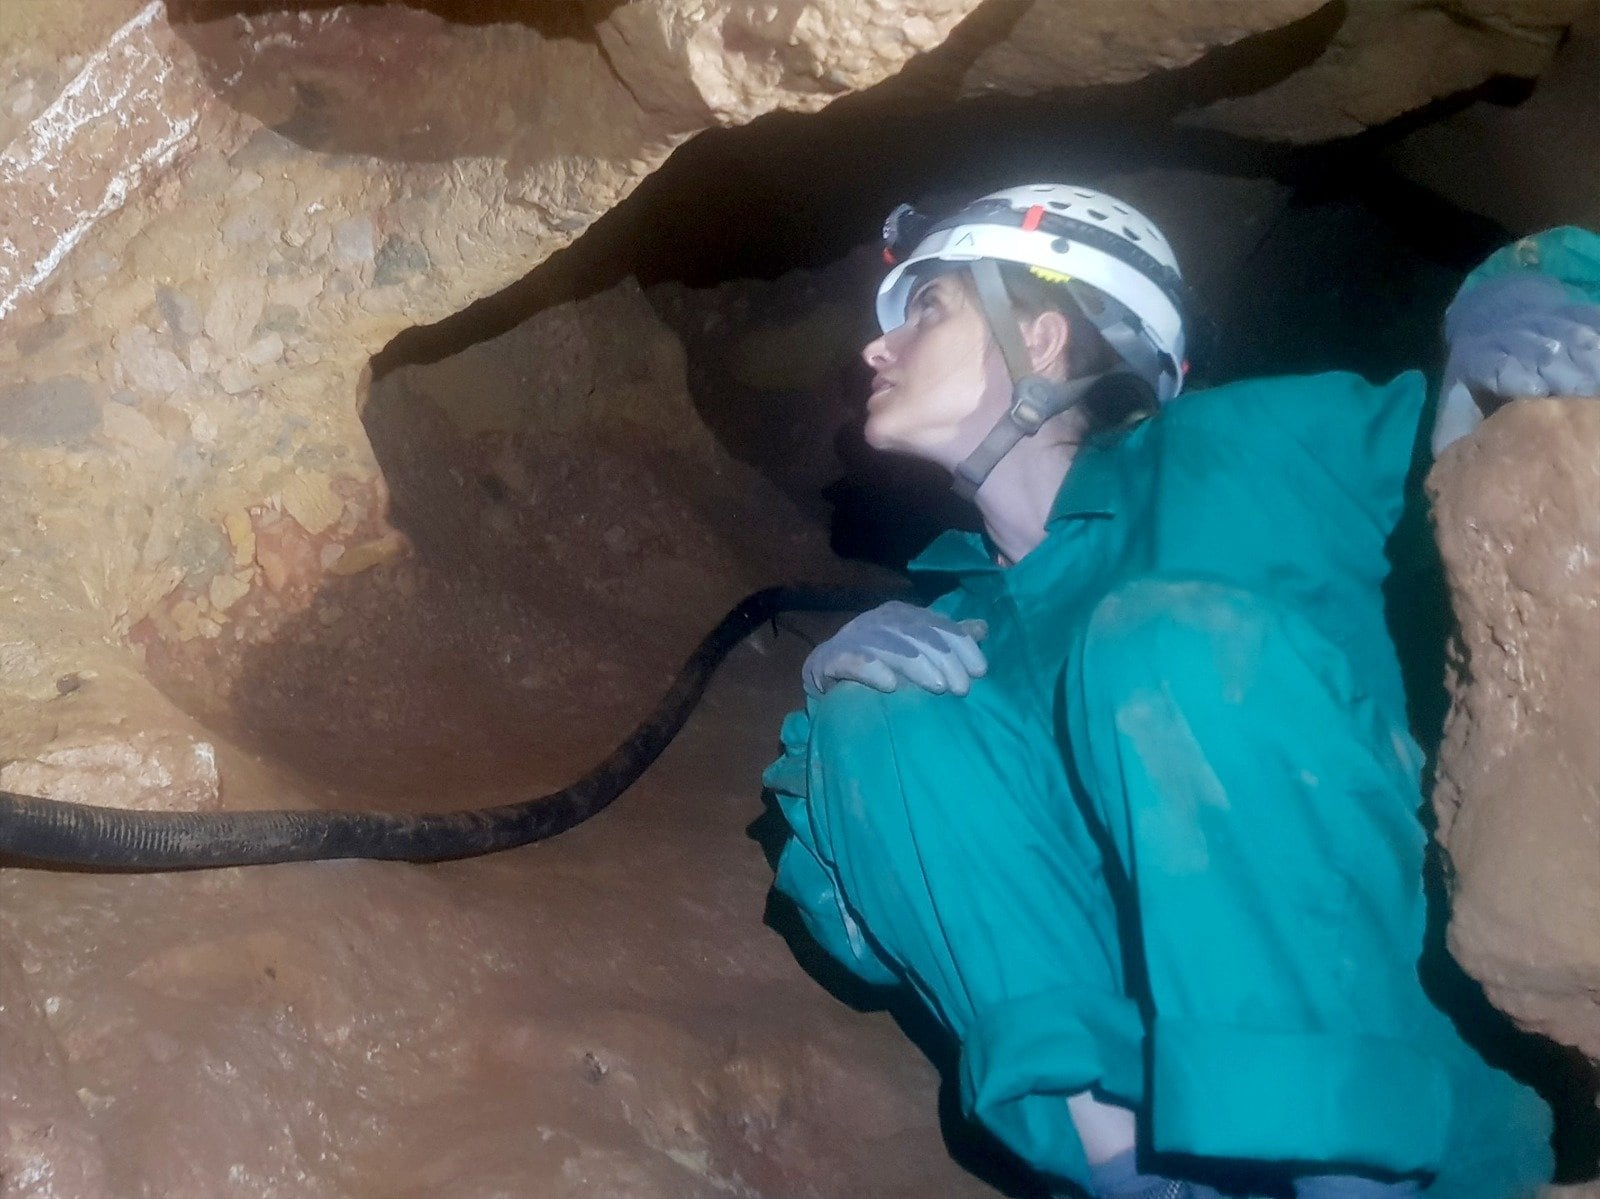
pixel 876 352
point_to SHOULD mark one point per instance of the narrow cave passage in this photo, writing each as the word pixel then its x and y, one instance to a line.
pixel 756 248
pixel 584 471
pixel 556 465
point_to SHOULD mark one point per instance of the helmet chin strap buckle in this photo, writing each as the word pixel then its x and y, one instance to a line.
pixel 1034 400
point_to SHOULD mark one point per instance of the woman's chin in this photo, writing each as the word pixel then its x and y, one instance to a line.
pixel 877 437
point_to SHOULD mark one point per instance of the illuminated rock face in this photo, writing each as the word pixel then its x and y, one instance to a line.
pixel 212 221
pixel 1517 507
pixel 216 220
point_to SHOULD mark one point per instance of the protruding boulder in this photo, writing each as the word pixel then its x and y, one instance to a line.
pixel 1517 506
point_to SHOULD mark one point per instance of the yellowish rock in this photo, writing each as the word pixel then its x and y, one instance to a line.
pixel 309 498
pixel 368 554
pixel 241 536
pixel 131 428
pixel 227 590
pixel 186 619
pixel 275 567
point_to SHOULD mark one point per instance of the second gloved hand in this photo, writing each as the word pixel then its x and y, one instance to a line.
pixel 1518 335
pixel 900 641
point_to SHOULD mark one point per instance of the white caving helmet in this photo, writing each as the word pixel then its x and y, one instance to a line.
pixel 1109 257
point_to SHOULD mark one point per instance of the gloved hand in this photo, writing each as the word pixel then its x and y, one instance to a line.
pixel 1517 335
pixel 900 641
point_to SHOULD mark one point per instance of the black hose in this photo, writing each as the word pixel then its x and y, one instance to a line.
pixel 48 830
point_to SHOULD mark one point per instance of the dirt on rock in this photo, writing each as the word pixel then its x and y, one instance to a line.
pixel 1517 508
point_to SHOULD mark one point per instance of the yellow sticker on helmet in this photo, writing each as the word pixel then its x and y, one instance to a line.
pixel 1048 275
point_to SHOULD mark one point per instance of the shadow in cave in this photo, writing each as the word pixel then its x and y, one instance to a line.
pixel 519 639
pixel 1352 276
pixel 800 191
pixel 344 78
pixel 1333 261
pixel 1567 1080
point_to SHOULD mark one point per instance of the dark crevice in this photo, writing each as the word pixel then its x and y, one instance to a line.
pixel 795 191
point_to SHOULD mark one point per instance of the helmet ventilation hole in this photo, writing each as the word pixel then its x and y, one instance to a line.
pixel 1098 215
pixel 1132 236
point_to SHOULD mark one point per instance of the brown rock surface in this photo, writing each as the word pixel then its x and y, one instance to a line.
pixel 1517 507
pixel 616 1021
pixel 1389 57
pixel 1522 165
pixel 48 1148
pixel 1056 44
pixel 216 221
pixel 603 1015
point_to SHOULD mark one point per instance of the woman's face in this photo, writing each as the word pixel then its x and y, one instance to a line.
pixel 939 385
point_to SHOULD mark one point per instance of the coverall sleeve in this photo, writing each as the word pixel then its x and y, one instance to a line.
pixel 1568 254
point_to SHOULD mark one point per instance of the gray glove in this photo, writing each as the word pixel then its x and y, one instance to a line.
pixel 1518 335
pixel 900 641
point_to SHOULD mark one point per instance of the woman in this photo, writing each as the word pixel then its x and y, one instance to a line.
pixel 1186 720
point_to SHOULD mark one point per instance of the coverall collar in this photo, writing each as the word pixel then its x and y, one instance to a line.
pixel 1092 488
pixel 956 552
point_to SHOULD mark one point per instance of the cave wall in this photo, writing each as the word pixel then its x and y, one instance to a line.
pixel 219 216
pixel 213 215
pixel 218 213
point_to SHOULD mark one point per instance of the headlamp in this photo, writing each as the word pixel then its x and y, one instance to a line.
pixel 903 231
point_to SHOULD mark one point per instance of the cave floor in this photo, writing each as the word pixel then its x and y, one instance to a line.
pixel 603 1014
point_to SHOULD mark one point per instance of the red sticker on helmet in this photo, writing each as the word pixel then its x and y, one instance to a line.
pixel 1034 215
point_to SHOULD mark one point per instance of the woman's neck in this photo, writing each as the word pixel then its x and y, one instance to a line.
pixel 1016 498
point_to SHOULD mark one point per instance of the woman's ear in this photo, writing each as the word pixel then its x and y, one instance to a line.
pixel 1047 337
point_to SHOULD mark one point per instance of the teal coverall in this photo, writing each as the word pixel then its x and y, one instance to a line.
pixel 1194 708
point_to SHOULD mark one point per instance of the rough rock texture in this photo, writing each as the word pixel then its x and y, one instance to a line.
pixel 215 222
pixel 602 1016
pixel 1528 166
pixel 42 46
pixel 1055 43
pixel 1389 57
pixel 573 530
pixel 1517 507
pixel 47 1147
pixel 136 770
